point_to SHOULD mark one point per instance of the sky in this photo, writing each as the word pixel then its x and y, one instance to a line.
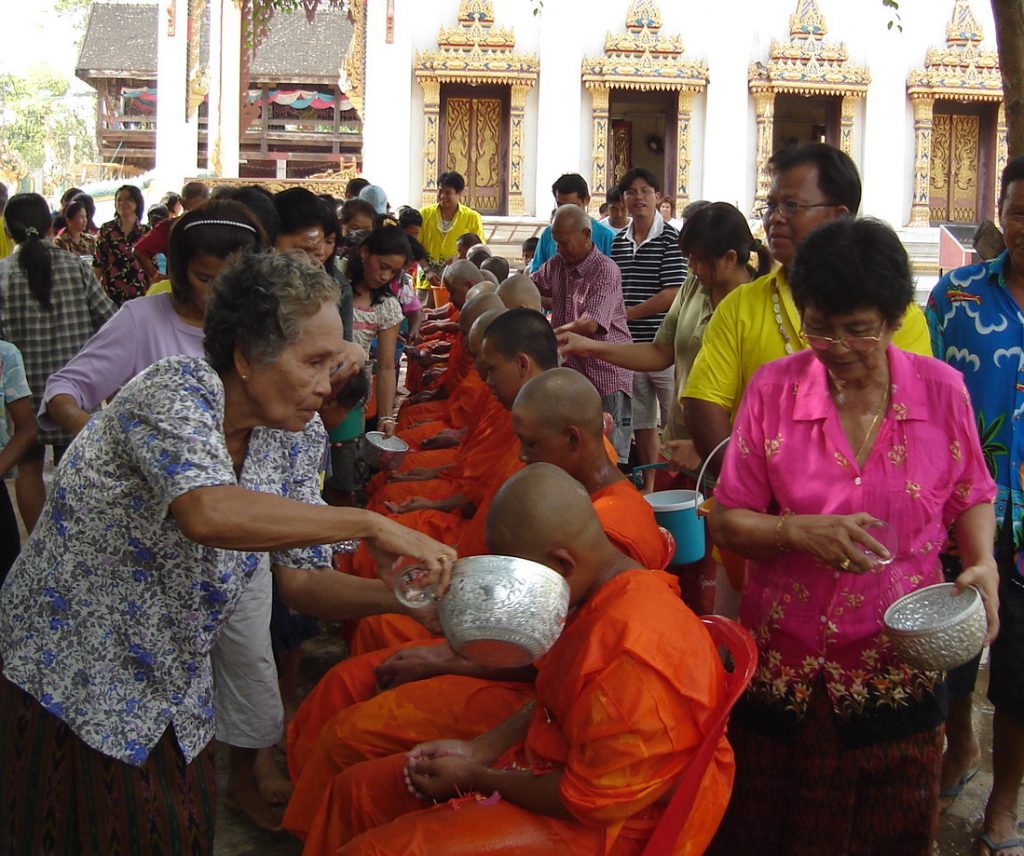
pixel 30 25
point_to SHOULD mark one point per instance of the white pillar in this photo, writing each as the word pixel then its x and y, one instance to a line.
pixel 176 138
pixel 392 128
pixel 225 73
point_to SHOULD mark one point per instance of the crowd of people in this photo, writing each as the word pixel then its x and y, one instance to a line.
pixel 204 378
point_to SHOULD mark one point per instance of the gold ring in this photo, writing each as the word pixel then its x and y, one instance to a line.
pixel 845 564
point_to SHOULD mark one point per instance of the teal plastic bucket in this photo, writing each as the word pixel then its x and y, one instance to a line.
pixel 349 428
pixel 676 511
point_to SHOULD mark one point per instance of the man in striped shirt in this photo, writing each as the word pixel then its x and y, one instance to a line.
pixel 653 269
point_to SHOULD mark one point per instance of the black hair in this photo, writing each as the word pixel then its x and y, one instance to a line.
pixel 329 219
pixel 638 172
pixel 419 252
pixel 1013 171
pixel 408 216
pixel 298 209
pixel 260 203
pixel 571 182
pixel 382 241
pixel 156 213
pixel 498 262
pixel 453 180
pixel 614 195
pixel 524 331
pixel 718 227
pixel 530 245
pixel 192 236
pixel 354 185
pixel 671 204
pixel 136 195
pixel 468 240
pixel 171 199
pixel 68 195
pixel 838 179
pixel 851 264
pixel 27 216
pixel 90 207
pixel 692 208
pixel 355 391
pixel 357 207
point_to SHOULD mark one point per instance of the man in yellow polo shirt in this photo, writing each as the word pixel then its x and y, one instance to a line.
pixel 811 185
pixel 445 222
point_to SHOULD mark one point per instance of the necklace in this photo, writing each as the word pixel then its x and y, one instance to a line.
pixel 874 423
pixel 787 344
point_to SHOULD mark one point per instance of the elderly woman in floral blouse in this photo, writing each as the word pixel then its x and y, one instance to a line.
pixel 155 525
pixel 838 741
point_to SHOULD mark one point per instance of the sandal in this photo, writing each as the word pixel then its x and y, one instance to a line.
pixel 995 847
pixel 953 791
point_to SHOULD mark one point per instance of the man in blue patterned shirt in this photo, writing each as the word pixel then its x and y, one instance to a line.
pixel 976 318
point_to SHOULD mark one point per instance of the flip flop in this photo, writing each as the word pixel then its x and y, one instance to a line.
pixel 953 791
pixel 995 847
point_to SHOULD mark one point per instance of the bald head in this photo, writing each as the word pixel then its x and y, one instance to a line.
pixel 459 277
pixel 479 329
pixel 482 287
pixel 476 307
pixel 571 231
pixel 572 218
pixel 479 254
pixel 519 292
pixel 545 515
pixel 562 398
pixel 489 277
pixel 496 265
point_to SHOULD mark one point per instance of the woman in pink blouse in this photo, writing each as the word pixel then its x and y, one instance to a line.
pixel 838 742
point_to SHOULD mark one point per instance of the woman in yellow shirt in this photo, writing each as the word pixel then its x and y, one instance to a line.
pixel 444 223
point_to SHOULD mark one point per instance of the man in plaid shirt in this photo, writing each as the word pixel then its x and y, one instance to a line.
pixel 585 287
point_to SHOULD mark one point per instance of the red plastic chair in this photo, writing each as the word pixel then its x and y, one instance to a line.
pixel 741 648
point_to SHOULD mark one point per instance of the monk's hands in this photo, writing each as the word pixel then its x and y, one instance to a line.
pixel 442 769
pixel 682 455
pixel 444 439
pixel 414 503
pixel 837 540
pixel 416 474
pixel 416 664
pixel 985 577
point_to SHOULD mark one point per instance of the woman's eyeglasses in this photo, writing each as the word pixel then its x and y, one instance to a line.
pixel 853 343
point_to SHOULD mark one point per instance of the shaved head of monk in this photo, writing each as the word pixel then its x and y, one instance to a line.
pixel 478 254
pixel 459 277
pixel 483 287
pixel 488 276
pixel 496 265
pixel 475 340
pixel 559 420
pixel 517 346
pixel 519 292
pixel 473 309
pixel 543 514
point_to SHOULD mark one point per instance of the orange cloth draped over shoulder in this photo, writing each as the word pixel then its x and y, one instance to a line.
pixel 623 701
pixel 414 372
pixel 460 365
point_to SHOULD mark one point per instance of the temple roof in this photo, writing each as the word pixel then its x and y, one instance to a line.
pixel 121 41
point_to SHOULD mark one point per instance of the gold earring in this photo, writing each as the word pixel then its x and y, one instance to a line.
pixel 245 378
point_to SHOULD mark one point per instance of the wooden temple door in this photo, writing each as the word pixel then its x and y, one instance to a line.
pixel 960 164
pixel 474 132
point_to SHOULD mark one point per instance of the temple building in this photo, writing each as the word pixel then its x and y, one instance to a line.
pixel 512 93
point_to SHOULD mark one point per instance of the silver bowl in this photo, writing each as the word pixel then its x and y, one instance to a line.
pixel 381 451
pixel 933 631
pixel 503 611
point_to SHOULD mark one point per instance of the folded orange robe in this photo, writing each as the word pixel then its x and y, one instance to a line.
pixel 623 701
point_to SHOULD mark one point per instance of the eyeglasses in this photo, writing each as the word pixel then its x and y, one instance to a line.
pixel 789 209
pixel 634 192
pixel 853 343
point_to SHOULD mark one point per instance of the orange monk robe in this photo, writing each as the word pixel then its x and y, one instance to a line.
pixel 484 447
pixel 624 698
pixel 414 371
pixel 460 365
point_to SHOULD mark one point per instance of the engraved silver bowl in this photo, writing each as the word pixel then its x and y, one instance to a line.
pixel 381 451
pixel 503 611
pixel 933 631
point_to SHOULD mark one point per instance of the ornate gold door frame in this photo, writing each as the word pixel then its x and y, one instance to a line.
pixel 962 145
pixel 474 135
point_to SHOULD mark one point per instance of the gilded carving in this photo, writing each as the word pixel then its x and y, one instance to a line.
pixel 764 117
pixel 938 197
pixel 1002 154
pixel 920 204
pixel 684 109
pixel 486 140
pixel 354 67
pixel 333 186
pixel 622 150
pixel 457 119
pixel 807 64
pixel 846 117
pixel 197 73
pixel 963 183
pixel 475 52
pixel 644 59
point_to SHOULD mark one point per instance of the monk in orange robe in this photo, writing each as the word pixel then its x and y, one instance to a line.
pixel 559 419
pixel 623 701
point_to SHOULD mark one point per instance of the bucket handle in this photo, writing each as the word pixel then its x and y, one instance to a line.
pixel 707 460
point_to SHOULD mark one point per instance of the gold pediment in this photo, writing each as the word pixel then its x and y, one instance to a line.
pixel 807 64
pixel 643 57
pixel 962 69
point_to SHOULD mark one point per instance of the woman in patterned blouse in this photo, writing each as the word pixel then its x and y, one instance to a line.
pixel 75 237
pixel 156 523
pixel 118 270
pixel 847 463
